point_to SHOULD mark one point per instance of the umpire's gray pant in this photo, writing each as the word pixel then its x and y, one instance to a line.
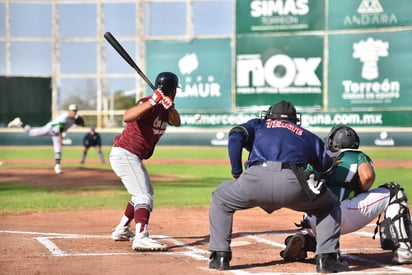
pixel 272 188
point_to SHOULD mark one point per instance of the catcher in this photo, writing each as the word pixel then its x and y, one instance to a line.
pixel 55 129
pixel 360 205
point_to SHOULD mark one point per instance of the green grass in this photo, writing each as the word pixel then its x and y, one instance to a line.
pixel 74 152
pixel 17 198
pixel 192 188
pixel 170 152
pixel 400 175
pixel 397 153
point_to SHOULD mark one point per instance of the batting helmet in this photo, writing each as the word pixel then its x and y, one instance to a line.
pixel 167 82
pixel 282 110
pixel 342 137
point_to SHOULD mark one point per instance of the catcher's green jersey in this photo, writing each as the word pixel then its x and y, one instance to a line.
pixel 345 182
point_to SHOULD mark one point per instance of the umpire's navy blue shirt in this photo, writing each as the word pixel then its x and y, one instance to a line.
pixel 279 141
pixel 90 140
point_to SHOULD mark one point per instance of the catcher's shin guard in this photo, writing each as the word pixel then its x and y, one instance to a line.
pixel 396 227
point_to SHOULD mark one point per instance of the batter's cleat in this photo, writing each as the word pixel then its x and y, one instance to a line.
pixel 15 123
pixel 295 248
pixel 220 260
pixel 122 233
pixel 330 263
pixel 142 242
pixel 57 169
pixel 402 256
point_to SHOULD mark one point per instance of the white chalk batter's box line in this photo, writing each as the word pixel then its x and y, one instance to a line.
pixel 46 240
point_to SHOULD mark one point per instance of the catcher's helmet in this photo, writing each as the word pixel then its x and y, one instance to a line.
pixel 342 137
pixel 282 110
pixel 167 82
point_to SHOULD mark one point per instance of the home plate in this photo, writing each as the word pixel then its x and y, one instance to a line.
pixel 240 243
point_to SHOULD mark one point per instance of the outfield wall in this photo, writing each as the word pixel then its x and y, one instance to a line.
pixel 383 137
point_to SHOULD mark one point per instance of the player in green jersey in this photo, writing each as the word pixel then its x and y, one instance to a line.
pixel 351 183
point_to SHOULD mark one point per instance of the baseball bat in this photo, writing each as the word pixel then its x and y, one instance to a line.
pixel 123 53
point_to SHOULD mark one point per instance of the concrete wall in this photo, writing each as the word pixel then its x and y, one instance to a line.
pixel 198 137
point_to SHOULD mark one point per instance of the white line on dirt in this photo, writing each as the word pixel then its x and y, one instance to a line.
pixel 63 235
pixel 198 254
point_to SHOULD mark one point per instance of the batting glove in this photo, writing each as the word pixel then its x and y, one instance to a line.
pixel 167 102
pixel 157 96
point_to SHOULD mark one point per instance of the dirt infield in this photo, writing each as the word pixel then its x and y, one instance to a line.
pixel 78 242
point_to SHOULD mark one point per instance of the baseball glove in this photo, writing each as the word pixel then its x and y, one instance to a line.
pixel 79 121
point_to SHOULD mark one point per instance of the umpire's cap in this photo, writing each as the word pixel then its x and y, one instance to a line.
pixel 283 110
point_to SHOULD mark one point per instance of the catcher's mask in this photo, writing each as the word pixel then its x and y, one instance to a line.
pixel 342 137
pixel 167 82
pixel 283 110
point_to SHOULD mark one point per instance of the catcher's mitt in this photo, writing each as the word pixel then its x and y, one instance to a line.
pixel 79 121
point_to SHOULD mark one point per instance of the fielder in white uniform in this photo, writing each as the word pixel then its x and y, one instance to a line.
pixel 360 205
pixel 55 128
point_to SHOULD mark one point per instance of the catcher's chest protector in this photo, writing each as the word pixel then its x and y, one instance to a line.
pixel 396 227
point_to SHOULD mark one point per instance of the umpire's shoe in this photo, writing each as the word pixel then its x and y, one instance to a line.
pixel 220 260
pixel 330 263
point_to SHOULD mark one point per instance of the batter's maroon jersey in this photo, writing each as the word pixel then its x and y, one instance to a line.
pixel 140 137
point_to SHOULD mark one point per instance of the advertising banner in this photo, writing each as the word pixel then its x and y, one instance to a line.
pixel 308 119
pixel 271 69
pixel 368 14
pixel 203 67
pixel 257 16
pixel 370 70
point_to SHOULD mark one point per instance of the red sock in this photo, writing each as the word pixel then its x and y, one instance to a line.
pixel 141 216
pixel 129 212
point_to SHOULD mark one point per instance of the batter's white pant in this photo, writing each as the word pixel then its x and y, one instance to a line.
pixel 360 210
pixel 46 130
pixel 133 174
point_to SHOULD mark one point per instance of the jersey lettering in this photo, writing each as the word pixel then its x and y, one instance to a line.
pixel 159 127
pixel 281 124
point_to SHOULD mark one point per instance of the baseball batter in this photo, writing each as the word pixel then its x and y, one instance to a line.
pixel 146 122
pixel 275 178
pixel 360 205
pixel 55 128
